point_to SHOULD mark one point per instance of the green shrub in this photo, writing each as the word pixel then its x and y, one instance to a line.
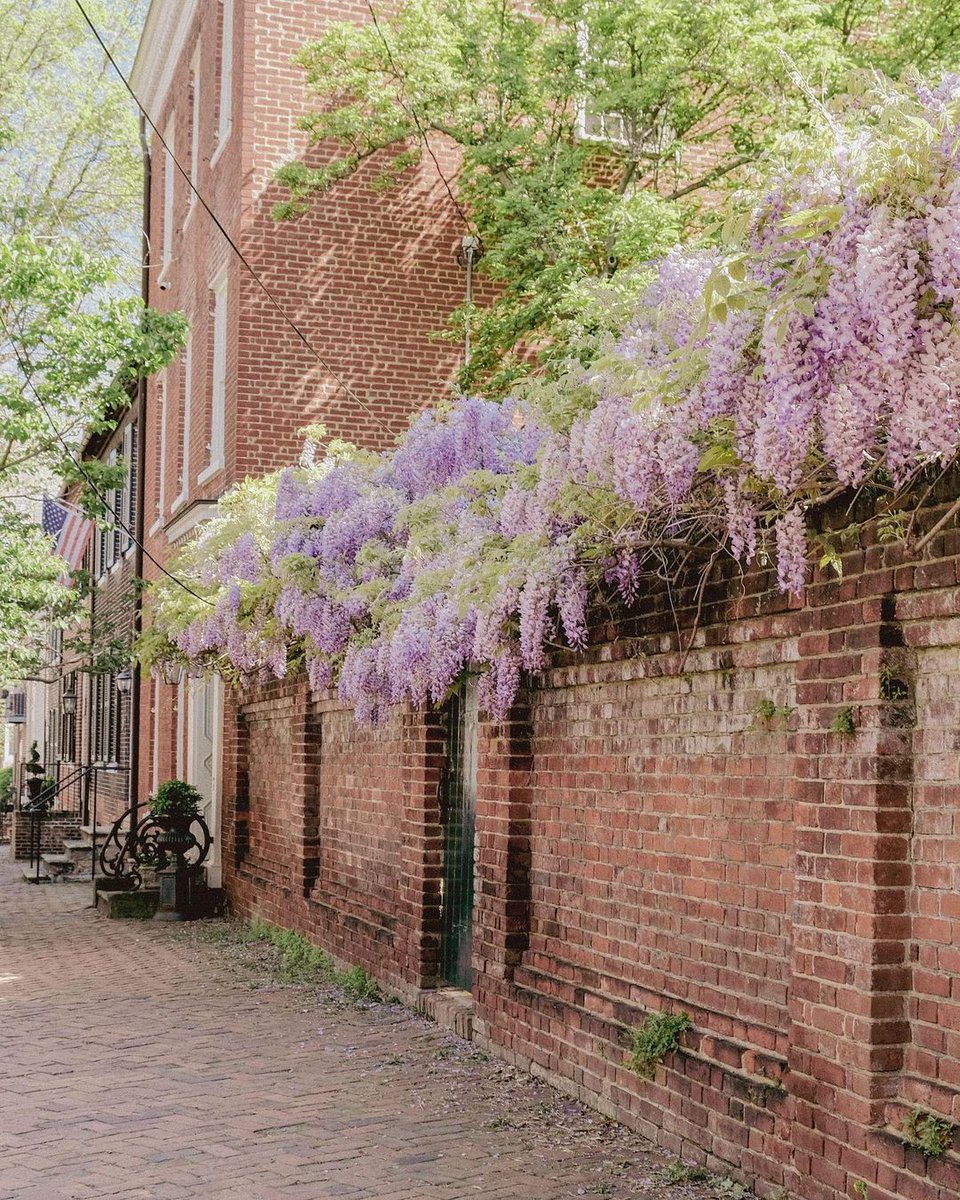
pixel 174 798
pixel 929 1134
pixel 6 787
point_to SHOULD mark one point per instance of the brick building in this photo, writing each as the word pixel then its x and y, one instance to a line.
pixel 366 278
pixel 79 709
pixel 635 837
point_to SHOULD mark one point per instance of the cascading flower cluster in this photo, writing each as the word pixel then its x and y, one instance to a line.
pixel 817 349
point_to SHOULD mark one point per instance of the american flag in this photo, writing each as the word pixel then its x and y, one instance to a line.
pixel 71 529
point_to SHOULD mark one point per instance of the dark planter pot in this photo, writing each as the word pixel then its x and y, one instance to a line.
pixel 175 828
pixel 35 787
pixel 175 877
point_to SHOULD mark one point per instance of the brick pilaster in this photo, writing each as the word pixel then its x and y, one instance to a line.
pixel 502 901
pixel 851 928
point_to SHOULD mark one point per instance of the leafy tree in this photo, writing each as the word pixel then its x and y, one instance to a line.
pixel 69 351
pixel 588 132
pixel 73 335
pixel 69 158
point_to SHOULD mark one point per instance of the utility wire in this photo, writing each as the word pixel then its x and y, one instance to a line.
pixel 254 274
pixel 416 120
pixel 26 370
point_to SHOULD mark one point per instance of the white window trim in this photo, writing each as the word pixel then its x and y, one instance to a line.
pixel 129 518
pixel 162 465
pixel 194 133
pixel 169 189
pixel 604 136
pixel 220 328
pixel 215 468
pixel 225 115
pixel 187 415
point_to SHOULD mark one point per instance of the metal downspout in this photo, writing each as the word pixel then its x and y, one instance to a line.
pixel 133 782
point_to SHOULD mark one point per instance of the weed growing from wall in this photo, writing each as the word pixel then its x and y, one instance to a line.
pixel 654 1039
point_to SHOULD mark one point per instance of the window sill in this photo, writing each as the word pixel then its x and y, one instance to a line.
pixel 221 146
pixel 215 468
pixel 178 503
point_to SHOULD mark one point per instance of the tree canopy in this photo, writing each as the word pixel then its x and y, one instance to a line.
pixel 69 157
pixel 74 335
pixel 589 133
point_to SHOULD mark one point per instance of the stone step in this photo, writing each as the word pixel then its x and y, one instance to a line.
pixel 102 833
pixel 30 874
pixel 58 866
pixel 80 851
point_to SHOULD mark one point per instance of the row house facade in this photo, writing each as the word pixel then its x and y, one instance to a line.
pixel 365 279
pixel 78 711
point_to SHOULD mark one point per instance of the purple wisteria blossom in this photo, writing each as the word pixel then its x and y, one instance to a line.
pixel 824 352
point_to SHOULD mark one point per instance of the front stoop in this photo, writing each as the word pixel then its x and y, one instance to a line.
pixel 451 1008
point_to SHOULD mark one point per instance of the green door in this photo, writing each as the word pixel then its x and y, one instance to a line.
pixel 458 815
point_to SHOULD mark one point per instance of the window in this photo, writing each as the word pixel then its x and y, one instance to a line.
pixel 225 102
pixel 105 719
pixel 128 496
pixel 194 126
pixel 218 387
pixel 160 495
pixel 185 431
pixel 616 128
pixel 169 180
pixel 110 536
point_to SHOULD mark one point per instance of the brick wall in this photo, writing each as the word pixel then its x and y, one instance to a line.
pixel 648 838
pixel 335 830
pixel 53 830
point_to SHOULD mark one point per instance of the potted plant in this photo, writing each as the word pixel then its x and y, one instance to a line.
pixel 175 804
pixel 36 771
pixel 48 792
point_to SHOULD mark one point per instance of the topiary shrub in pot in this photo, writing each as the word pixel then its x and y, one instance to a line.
pixel 175 804
pixel 36 771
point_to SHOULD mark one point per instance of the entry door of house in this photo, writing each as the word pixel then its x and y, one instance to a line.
pixel 458 815
pixel 204 753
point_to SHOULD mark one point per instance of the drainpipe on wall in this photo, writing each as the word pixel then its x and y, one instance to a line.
pixel 133 780
pixel 470 250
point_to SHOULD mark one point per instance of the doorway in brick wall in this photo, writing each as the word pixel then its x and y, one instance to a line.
pixel 204 757
pixel 458 811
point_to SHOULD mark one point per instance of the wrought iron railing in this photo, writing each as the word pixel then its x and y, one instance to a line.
pixel 151 846
pixel 75 792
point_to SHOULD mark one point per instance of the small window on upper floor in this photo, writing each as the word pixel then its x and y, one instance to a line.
pixel 225 65
pixel 186 429
pixel 169 186
pixel 645 137
pixel 129 494
pixel 194 128
pixel 218 376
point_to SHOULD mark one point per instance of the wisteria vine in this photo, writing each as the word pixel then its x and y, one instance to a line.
pixel 816 350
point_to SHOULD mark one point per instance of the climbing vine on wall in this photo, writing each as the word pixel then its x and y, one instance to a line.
pixel 811 351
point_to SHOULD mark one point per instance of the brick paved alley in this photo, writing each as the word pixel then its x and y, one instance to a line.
pixel 140 1059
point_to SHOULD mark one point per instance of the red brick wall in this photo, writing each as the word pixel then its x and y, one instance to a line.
pixel 335 830
pixel 646 838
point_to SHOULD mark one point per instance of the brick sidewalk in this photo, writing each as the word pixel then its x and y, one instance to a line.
pixel 136 1060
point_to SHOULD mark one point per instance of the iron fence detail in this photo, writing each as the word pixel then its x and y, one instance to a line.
pixel 153 845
